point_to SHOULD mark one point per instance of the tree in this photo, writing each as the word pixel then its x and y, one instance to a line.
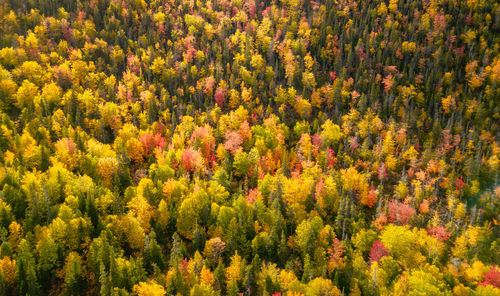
pixel 321 286
pixel 233 141
pixel 142 210
pixel 188 216
pixel 27 282
pixel 220 96
pixel 135 130
pixel 234 272
pixel 149 289
pixel 135 150
pixel 214 248
pixel 74 277
pixel 335 253
pixel 128 230
pixel 400 212
pixel 202 289
pixel 427 281
pixel 330 133
pixel 492 277
pixel 67 153
pixel 402 244
pixel 241 163
pixel 107 168
pixel 191 160
pixel 8 269
pixel 306 234
pixel 370 198
pixel 26 94
pixel 378 251
pixel 48 254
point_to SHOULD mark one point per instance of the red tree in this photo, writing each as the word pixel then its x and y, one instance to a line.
pixel 400 212
pixel 378 251
pixel 220 97
pixel 439 233
pixel 492 277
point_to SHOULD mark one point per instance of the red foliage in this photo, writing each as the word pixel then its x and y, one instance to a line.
pixel 191 53
pixel 278 35
pixel 439 22
pixel 448 141
pixel 317 142
pixel 235 11
pixel 202 138
pixel 251 8
pixel 387 81
pixel 233 141
pixel 150 142
pixel 400 212
pixel 160 141
pixel 492 277
pixel 220 97
pixel 468 18
pixel 184 268
pixel 333 75
pixel 460 184
pixel 353 143
pixel 391 69
pixel 254 117
pixel 209 85
pixel 189 159
pixel 81 15
pixel 331 157
pixel 133 63
pixel 66 30
pixel 439 233
pixel 371 198
pixel 378 251
pixel 320 189
pixel 398 54
pixel 130 96
pixel 361 54
pixel 265 12
pixel 253 195
pixel 337 251
pixel 382 172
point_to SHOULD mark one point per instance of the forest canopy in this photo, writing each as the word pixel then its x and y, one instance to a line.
pixel 243 147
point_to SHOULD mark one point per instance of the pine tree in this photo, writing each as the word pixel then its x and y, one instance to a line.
pixel 220 277
pixel 27 282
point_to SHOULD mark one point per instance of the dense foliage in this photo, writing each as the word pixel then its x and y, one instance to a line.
pixel 225 147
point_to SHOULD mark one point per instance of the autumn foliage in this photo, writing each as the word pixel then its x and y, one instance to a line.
pixel 243 147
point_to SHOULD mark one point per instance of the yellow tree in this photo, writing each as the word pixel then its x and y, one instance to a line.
pixel 353 181
pixel 67 153
pixel 235 269
pixel 8 268
pixel 26 94
pixel 188 215
pixel 150 288
pixel 331 133
pixel 322 287
pixel 107 168
pixel 142 210
pixel 15 234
